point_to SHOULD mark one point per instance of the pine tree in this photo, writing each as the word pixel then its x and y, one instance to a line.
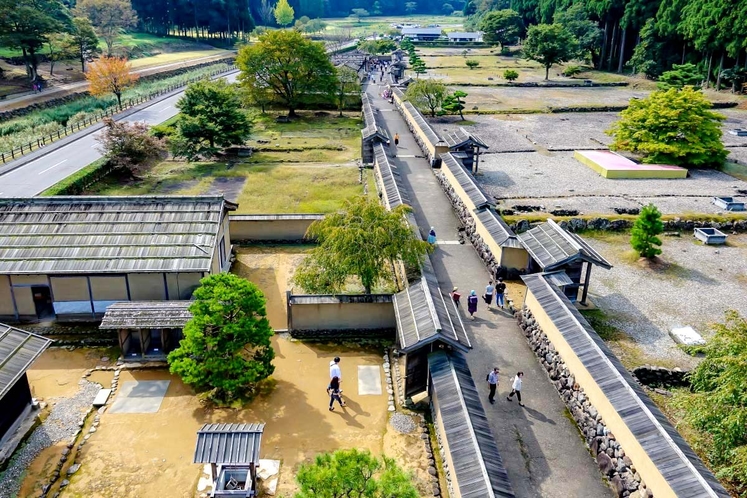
pixel 643 236
pixel 454 104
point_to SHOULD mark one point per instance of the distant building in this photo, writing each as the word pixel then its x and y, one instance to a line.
pixel 68 258
pixel 465 37
pixel 422 34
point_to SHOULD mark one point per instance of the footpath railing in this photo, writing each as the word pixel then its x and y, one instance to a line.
pixel 75 127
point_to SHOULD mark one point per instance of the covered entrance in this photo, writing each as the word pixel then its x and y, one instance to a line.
pixel 147 330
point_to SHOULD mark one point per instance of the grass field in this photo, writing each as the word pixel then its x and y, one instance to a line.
pixel 172 57
pixel 382 24
pixel 306 166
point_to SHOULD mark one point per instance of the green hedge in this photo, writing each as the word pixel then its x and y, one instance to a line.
pixel 78 182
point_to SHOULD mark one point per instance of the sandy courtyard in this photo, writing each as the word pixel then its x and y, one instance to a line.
pixel 135 455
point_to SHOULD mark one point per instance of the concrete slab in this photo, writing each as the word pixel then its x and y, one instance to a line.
pixel 369 380
pixel 687 336
pixel 140 397
pixel 102 397
pixel 268 468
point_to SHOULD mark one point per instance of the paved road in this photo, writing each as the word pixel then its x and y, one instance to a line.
pixel 35 177
pixel 541 448
pixel 59 90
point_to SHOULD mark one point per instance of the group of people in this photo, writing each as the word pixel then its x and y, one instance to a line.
pixel 493 381
pixel 498 290
pixel 37 86
pixel 376 66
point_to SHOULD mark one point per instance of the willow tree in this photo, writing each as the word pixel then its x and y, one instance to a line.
pixel 362 240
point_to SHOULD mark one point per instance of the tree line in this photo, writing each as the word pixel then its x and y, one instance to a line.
pixel 641 36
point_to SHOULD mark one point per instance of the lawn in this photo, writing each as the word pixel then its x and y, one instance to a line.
pixel 172 57
pixel 382 24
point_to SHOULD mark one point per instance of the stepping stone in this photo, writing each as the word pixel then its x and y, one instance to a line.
pixel 268 468
pixel 369 380
pixel 101 397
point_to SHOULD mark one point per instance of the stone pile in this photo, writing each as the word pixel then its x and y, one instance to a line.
pixel 613 463
pixel 653 376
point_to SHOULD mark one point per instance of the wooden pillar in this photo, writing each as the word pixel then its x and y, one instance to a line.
pixel 586 283
pixel 142 343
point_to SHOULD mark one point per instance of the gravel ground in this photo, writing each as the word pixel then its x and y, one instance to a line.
pixel 702 283
pixel 402 423
pixel 60 425
pixel 738 154
pixel 535 178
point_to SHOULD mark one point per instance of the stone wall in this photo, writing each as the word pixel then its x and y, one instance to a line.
pixel 614 465
pixel 328 334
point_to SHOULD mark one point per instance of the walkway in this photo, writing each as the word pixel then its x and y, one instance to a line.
pixel 541 447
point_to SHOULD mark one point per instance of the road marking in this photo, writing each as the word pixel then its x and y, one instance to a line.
pixel 406 155
pixel 42 172
pixel 164 109
pixel 94 145
pixel 447 242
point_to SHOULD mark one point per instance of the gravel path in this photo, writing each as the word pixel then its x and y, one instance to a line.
pixel 703 282
pixel 60 425
pixel 402 423
pixel 545 178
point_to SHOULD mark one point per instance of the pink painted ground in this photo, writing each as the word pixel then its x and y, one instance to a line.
pixel 611 161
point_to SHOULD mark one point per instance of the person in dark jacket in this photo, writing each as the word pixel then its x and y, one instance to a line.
pixel 500 291
pixel 335 393
pixel 472 304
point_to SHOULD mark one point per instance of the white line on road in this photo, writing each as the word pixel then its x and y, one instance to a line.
pixel 448 242
pixel 94 145
pixel 42 172
pixel 164 109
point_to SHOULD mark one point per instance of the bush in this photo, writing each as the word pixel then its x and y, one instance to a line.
pixel 571 71
pixel 506 52
pixel 472 63
pixel 510 75
pixel 643 236
pixel 129 145
pixel 78 182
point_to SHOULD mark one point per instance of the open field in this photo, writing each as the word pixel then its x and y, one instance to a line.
pixel 171 57
pixel 694 286
pixel 306 166
pixel 381 24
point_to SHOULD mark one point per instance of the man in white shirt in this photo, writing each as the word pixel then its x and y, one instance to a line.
pixel 334 369
pixel 493 384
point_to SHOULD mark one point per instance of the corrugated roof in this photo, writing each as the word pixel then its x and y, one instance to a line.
pixel 394 194
pixel 422 31
pixel 460 137
pixel 551 247
pixel 88 234
pixel 18 350
pixel 228 443
pixel 673 457
pixel 372 130
pixel 468 183
pixel 146 314
pixel 477 464
pixel 498 229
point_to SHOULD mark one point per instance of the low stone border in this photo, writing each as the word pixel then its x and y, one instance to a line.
pixel 613 463
pixel 618 225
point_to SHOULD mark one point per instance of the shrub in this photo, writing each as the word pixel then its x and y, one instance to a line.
pixel 643 236
pixel 129 145
pixel 510 75
pixel 472 63
pixel 571 71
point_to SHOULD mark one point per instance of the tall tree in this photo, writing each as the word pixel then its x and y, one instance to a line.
pixel 296 69
pixel 266 12
pixel 550 44
pixel 353 473
pixel 348 83
pixel 109 17
pixel 226 347
pixel 427 95
pixel 58 49
pixel 283 13
pixel 26 25
pixel 211 118
pixel 671 127
pixel 83 41
pixel 110 75
pixel 646 229
pixel 501 27
pixel 360 240
pixel 589 36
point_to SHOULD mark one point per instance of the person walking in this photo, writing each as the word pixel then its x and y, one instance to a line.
pixel 334 369
pixel 516 388
pixel 396 140
pixel 489 291
pixel 500 291
pixel 432 236
pixel 335 393
pixel 492 379
pixel 455 295
pixel 472 304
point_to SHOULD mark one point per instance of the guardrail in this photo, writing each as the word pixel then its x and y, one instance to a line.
pixel 75 127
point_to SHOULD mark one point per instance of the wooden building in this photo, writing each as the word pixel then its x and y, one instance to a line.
pixel 474 462
pixel 147 330
pixel 18 350
pixel 466 147
pixel 552 249
pixel 232 450
pixel 461 37
pixel 422 34
pixel 427 321
pixel 68 258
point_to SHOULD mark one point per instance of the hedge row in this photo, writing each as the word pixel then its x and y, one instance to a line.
pixel 79 182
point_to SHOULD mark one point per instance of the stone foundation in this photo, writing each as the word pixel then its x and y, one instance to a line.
pixel 616 225
pixel 614 465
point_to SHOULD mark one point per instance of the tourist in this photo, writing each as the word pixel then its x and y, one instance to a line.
pixel 472 304
pixel 492 379
pixel 396 139
pixel 500 291
pixel 334 369
pixel 335 393
pixel 516 388
pixel 455 296
pixel 488 297
pixel 432 236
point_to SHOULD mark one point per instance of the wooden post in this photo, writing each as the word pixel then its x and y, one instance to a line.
pixel 586 283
